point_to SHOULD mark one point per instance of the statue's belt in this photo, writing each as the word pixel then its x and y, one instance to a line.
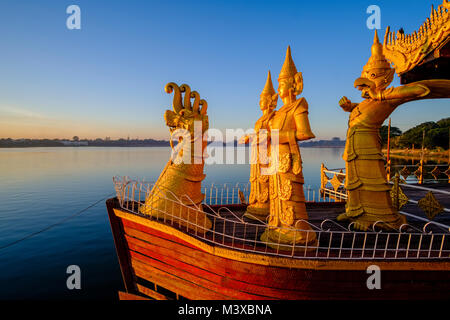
pixel 352 130
pixel 366 153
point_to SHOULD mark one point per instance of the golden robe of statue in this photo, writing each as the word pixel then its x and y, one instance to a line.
pixel 287 200
pixel 369 199
pixel 259 189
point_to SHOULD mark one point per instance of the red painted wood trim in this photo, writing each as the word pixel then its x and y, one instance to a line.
pixel 227 281
pixel 122 250
pixel 193 278
pixel 333 284
pixel 178 285
pixel 129 296
pixel 148 230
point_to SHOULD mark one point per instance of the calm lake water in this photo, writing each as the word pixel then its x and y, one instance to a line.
pixel 40 186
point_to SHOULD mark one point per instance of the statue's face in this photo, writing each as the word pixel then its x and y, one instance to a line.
pixel 264 103
pixel 267 102
pixel 380 77
pixel 365 86
pixel 284 87
pixel 365 92
pixel 374 79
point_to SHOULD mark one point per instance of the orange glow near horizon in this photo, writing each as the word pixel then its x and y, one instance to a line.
pixel 59 129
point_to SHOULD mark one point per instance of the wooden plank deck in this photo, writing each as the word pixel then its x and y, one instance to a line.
pixel 412 208
pixel 415 194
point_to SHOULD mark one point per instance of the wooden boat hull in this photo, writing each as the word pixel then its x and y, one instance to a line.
pixel 161 262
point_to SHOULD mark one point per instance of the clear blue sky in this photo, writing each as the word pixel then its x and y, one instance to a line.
pixel 107 79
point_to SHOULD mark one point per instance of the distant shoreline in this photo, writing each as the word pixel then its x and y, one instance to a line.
pixel 124 143
pixel 88 146
pixel 416 154
pixel 145 146
pixel 43 143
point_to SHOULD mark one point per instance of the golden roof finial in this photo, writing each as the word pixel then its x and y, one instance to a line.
pixel 288 70
pixel 377 60
pixel 375 38
pixel 268 88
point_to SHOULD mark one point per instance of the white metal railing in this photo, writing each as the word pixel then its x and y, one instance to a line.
pixel 334 241
pixel 421 172
pixel 336 191
pixel 228 193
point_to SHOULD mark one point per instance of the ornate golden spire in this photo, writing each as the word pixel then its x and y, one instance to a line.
pixel 288 70
pixel 377 60
pixel 268 88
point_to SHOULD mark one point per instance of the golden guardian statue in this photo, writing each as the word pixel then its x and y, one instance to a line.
pixel 369 199
pixel 259 190
pixel 288 216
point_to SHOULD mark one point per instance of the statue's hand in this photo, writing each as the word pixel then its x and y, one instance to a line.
pixel 345 104
pixel 244 139
pixel 263 138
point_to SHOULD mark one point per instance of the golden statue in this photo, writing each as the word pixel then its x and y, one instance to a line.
pixel 369 200
pixel 259 190
pixel 287 200
pixel 181 179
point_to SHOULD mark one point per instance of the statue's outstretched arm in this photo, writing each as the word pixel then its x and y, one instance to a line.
pixel 406 93
pixel 245 139
pixel 438 88
pixel 425 89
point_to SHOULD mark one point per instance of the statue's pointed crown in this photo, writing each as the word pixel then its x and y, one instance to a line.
pixel 268 88
pixel 377 60
pixel 288 70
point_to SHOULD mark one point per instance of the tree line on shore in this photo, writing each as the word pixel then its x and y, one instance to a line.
pixel 23 143
pixel 436 136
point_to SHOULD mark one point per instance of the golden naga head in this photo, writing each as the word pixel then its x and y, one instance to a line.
pixel 186 115
pixel 184 112
pixel 269 97
pixel 290 82
pixel 377 74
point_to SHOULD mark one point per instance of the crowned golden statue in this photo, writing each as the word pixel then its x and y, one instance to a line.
pixel 369 199
pixel 259 189
pixel 288 216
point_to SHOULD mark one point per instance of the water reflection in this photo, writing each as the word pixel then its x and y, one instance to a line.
pixel 40 186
